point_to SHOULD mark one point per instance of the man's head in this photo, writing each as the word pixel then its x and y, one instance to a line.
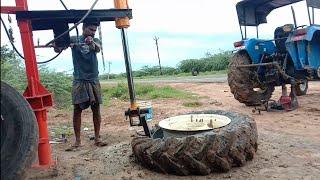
pixel 89 29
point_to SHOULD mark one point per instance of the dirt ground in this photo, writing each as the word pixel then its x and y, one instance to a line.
pixel 289 142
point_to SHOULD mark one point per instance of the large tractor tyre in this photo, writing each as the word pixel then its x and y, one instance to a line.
pixel 242 84
pixel 200 154
pixel 19 134
pixel 301 88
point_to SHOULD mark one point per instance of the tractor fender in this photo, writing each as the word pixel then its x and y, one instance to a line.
pixel 257 47
pixel 310 31
pixel 297 43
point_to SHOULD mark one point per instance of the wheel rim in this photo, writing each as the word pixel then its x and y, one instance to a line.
pixel 260 90
pixel 303 86
pixel 194 122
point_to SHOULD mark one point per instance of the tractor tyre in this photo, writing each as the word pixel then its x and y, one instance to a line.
pixel 19 134
pixel 242 85
pixel 215 150
pixel 194 72
pixel 301 88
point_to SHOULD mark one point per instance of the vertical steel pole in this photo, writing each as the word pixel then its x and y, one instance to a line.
pixel 126 53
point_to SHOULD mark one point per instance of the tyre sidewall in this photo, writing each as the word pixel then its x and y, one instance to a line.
pixel 19 146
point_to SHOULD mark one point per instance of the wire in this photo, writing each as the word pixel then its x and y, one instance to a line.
pixel 75 25
pixel 13 46
pixel 43 62
pixel 16 50
pixel 65 7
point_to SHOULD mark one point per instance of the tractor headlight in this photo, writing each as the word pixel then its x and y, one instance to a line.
pixel 287 28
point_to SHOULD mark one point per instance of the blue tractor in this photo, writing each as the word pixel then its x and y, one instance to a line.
pixel 292 57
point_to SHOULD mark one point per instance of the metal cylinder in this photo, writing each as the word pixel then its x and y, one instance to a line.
pixel 128 68
pixel 44 149
pixel 122 22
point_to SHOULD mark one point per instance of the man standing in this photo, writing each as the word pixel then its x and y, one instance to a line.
pixel 86 90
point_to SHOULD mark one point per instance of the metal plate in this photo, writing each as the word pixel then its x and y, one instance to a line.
pixel 194 122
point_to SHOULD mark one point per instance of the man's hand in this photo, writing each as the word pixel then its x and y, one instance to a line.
pixel 88 40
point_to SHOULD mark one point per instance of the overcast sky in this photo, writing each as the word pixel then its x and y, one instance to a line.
pixel 186 29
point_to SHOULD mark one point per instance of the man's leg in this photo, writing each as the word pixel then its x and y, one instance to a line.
pixel 96 121
pixel 77 123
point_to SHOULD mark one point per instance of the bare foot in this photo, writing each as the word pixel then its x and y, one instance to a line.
pixel 74 147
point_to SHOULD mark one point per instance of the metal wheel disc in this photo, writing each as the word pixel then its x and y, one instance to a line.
pixel 194 122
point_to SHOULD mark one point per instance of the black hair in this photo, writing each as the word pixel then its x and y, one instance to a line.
pixel 93 23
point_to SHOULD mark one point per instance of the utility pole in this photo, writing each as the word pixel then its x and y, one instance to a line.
pixel 156 39
pixel 109 69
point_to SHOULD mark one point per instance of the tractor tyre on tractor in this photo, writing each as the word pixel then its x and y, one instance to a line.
pixel 19 134
pixel 242 83
pixel 215 150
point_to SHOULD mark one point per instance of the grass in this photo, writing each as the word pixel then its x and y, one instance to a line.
pixel 66 130
pixel 192 104
pixel 208 73
pixel 144 91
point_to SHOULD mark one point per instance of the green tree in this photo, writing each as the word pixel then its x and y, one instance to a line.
pixel 12 69
pixel 13 72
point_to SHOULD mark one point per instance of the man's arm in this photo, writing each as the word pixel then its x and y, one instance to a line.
pixel 73 41
pixel 97 45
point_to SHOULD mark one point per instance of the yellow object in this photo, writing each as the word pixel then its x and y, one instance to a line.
pixel 122 22
pixel 140 105
pixel 133 106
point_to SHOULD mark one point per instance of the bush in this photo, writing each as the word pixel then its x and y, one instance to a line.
pixel 211 62
pixel 13 72
pixel 155 71
pixel 59 85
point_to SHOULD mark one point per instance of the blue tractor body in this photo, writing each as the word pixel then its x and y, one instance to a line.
pixel 304 47
pixel 292 57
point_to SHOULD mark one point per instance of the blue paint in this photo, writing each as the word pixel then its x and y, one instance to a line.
pixel 305 49
pixel 257 47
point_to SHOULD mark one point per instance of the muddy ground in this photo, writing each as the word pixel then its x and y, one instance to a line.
pixel 289 142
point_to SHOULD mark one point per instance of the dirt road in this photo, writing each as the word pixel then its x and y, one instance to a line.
pixel 183 79
pixel 289 142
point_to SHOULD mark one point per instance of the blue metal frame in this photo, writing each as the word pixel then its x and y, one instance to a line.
pixel 305 49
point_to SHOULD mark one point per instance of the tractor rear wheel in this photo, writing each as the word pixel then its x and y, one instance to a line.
pixel 242 84
pixel 216 150
pixel 19 134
